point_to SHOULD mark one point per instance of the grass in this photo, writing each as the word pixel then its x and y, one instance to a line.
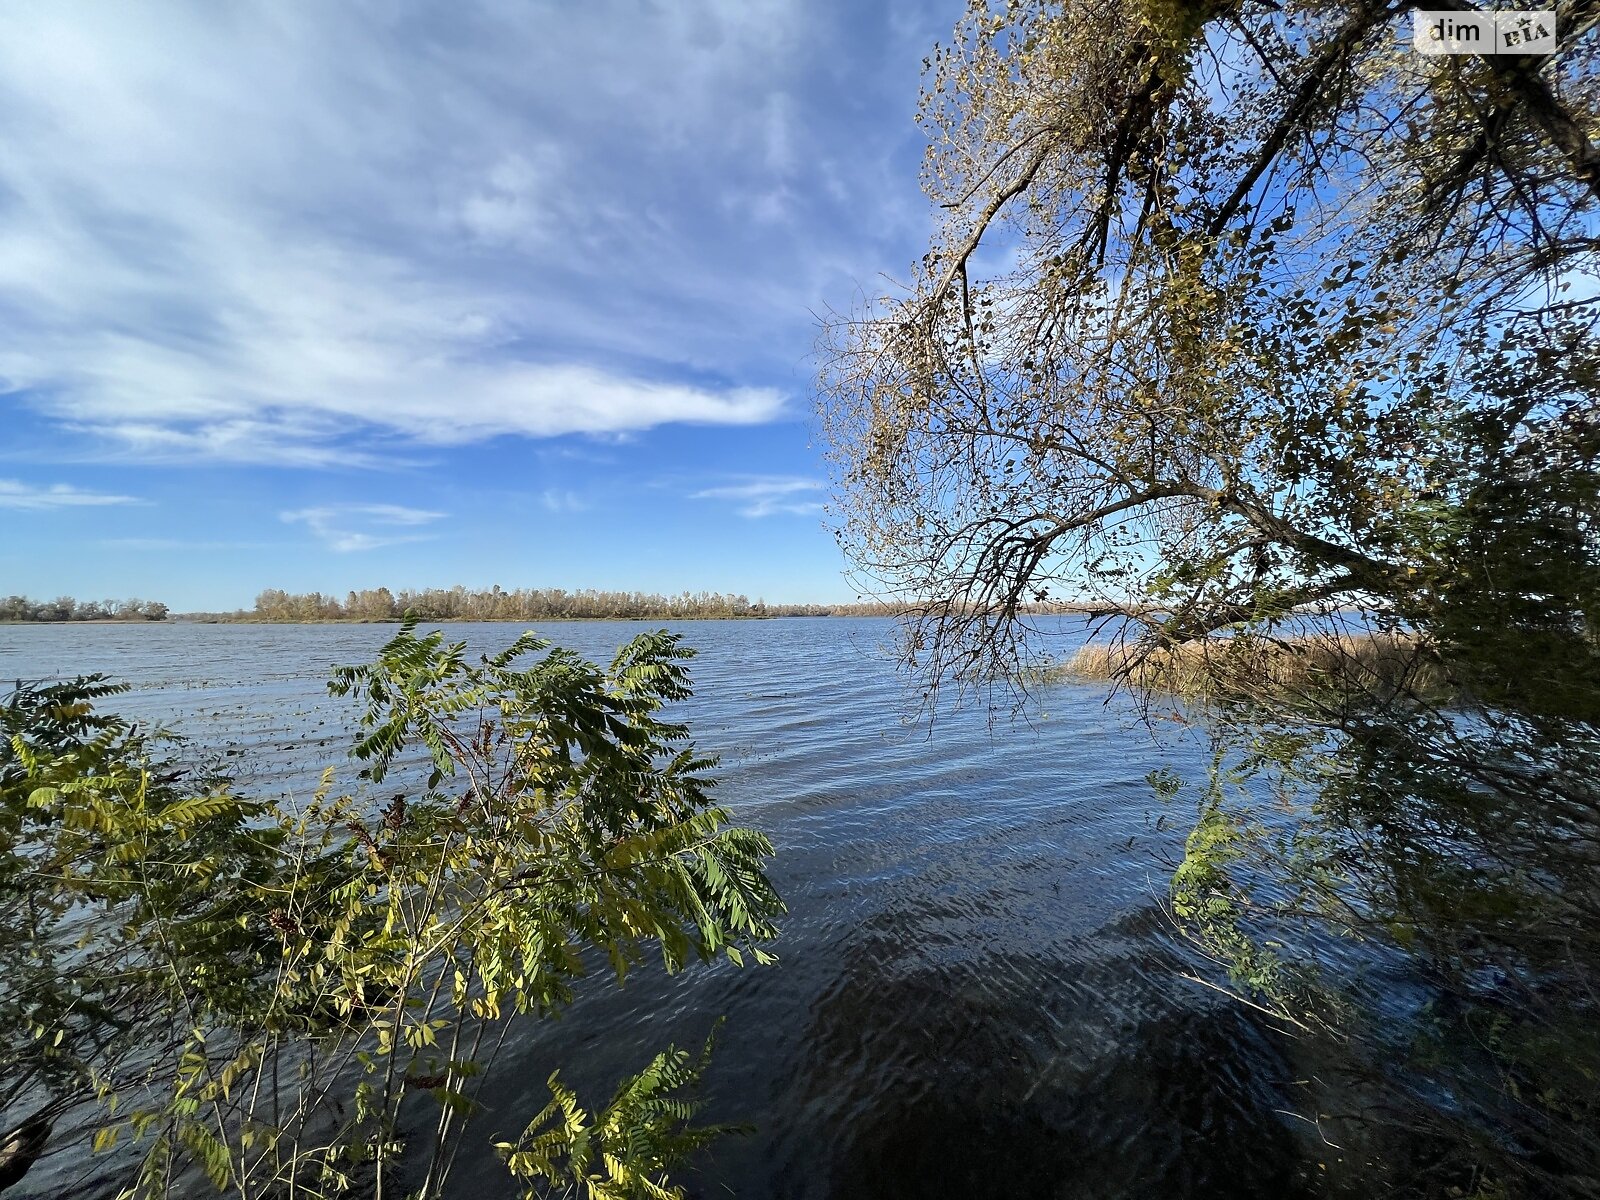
pixel 1383 664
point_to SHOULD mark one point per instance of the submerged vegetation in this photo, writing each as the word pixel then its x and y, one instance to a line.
pixel 301 997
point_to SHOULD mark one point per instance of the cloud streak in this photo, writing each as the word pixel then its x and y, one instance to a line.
pixel 768 496
pixel 350 528
pixel 343 226
pixel 16 494
pixel 561 500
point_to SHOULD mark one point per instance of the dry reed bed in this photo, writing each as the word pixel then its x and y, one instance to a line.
pixel 1386 664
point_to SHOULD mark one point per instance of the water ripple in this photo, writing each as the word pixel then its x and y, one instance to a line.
pixel 977 994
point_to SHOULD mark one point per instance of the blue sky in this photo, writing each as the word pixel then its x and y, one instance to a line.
pixel 322 296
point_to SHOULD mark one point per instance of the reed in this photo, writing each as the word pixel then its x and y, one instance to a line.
pixel 1383 664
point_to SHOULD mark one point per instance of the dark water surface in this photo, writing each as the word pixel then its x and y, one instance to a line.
pixel 977 993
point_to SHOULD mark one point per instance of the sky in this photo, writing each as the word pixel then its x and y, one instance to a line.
pixel 331 296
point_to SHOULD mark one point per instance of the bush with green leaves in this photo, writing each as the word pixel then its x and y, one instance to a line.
pixel 300 999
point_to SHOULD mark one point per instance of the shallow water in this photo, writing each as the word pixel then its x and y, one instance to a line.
pixel 977 993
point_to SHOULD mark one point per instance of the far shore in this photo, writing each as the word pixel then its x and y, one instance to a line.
pixel 185 619
pixel 250 619
pixel 97 621
pixel 896 612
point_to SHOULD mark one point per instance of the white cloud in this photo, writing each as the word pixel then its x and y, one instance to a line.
pixel 511 204
pixel 560 500
pixel 278 442
pixel 344 528
pixel 353 225
pixel 768 495
pixel 15 494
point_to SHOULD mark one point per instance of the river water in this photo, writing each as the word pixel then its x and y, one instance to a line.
pixel 978 993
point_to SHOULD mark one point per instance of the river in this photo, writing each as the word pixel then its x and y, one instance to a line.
pixel 977 993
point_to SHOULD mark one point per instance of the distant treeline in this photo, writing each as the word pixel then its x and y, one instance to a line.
pixel 65 608
pixel 528 604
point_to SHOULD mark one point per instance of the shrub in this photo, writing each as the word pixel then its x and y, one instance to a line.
pixel 253 989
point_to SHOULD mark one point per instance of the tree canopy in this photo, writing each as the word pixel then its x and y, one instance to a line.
pixel 66 608
pixel 1232 302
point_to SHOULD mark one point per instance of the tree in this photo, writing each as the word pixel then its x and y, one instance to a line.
pixel 65 608
pixel 1245 315
pixel 266 992
pixel 274 604
pixel 1252 259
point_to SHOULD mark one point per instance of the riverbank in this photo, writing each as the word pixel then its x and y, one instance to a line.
pixel 773 613
pixel 99 621
pixel 208 619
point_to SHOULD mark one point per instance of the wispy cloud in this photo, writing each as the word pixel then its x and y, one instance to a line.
pixel 768 495
pixel 273 441
pixel 15 494
pixel 509 206
pixel 431 235
pixel 345 528
pixel 559 500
